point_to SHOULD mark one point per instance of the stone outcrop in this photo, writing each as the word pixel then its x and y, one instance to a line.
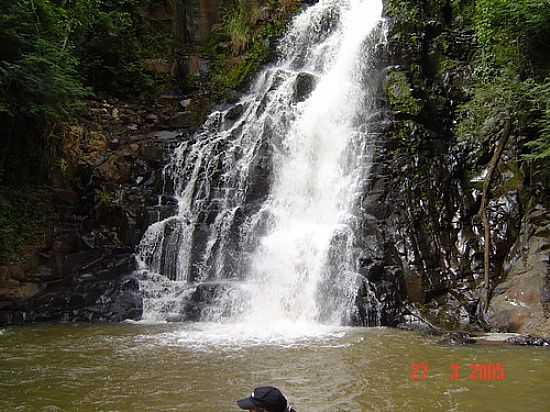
pixel 430 192
pixel 109 194
pixel 521 303
pixel 194 22
pixel 305 83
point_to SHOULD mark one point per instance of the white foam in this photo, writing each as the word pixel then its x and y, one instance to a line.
pixel 205 336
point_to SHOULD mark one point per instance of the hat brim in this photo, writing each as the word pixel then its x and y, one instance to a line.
pixel 247 403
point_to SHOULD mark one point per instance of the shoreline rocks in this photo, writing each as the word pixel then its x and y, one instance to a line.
pixel 83 269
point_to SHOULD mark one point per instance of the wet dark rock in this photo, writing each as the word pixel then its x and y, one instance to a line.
pixel 426 213
pixel 456 339
pixel 90 300
pixel 85 272
pixel 172 95
pixel 303 86
pixel 204 296
pixel 235 112
pixel 153 153
pixel 81 260
pixel 527 340
pixel 176 318
pixel 259 181
pixel 114 144
pixel 66 197
pixel 65 243
pixel 181 120
pixel 205 293
pixel 152 118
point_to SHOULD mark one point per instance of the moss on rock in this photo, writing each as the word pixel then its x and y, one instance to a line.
pixel 244 41
pixel 399 94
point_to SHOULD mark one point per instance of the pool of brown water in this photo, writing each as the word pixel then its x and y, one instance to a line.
pixel 205 368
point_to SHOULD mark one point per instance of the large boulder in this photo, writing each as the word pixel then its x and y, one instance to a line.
pixel 521 303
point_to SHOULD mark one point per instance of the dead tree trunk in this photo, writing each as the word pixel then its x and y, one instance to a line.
pixel 485 198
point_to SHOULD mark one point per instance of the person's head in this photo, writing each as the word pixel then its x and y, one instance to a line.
pixel 265 399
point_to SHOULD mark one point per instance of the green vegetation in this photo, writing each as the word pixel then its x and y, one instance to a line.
pixel 241 43
pixel 39 77
pixel 53 54
pixel 105 199
pixel 238 23
pixel 511 72
pixel 24 215
pixel 399 94
pixel 540 146
pixel 519 22
pixel 113 40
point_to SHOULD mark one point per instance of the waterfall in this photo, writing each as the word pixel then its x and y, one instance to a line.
pixel 269 189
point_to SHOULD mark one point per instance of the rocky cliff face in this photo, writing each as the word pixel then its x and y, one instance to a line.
pixel 100 206
pixel 428 192
pixel 520 303
pixel 194 22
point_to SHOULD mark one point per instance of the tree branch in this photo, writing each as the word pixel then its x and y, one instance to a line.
pixel 485 198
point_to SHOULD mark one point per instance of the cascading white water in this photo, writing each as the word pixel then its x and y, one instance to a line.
pixel 267 191
pixel 312 194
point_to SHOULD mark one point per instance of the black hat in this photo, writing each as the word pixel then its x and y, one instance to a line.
pixel 266 397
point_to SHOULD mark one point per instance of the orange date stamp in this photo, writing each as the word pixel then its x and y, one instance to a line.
pixel 475 372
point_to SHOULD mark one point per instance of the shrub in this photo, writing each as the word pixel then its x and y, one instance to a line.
pixel 540 146
pixel 39 78
pixel 509 73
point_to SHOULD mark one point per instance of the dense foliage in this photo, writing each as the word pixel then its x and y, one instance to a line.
pixel 39 76
pixel 55 53
pixel 242 42
pixel 511 73
pixel 52 53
